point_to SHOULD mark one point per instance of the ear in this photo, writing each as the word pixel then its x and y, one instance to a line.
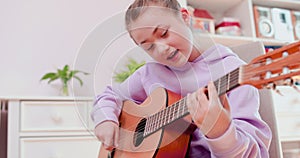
pixel 185 16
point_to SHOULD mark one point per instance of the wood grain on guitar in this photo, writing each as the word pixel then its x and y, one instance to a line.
pixel 161 125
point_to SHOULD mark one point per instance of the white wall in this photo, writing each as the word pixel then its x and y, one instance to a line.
pixel 38 36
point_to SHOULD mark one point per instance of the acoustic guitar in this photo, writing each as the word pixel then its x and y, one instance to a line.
pixel 161 126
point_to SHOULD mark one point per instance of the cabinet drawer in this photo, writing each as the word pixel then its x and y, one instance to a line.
pixel 53 116
pixel 290 101
pixel 59 147
pixel 289 125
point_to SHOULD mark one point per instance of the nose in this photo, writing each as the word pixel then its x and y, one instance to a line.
pixel 162 48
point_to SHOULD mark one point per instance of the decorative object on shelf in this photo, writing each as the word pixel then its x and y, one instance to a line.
pixel 65 75
pixel 132 66
pixel 263 22
pixel 202 21
pixel 229 26
pixel 270 48
pixel 296 24
pixel 296 80
pixel 283 24
pixel 183 3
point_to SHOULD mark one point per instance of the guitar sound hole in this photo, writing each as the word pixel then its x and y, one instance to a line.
pixel 139 133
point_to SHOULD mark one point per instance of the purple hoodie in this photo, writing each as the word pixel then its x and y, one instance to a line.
pixel 247 136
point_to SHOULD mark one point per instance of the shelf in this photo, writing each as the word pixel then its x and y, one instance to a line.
pixel 272 42
pixel 289 139
pixel 287 4
pixel 232 40
pixel 214 6
pixel 209 39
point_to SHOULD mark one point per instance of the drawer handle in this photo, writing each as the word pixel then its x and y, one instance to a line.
pixel 56 118
pixel 296 101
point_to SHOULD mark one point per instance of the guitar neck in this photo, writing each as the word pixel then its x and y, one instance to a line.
pixel 228 82
pixel 179 109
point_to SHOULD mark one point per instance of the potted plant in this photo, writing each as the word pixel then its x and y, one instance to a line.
pixel 65 75
pixel 132 66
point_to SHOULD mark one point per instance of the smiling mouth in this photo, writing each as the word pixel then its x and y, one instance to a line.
pixel 172 55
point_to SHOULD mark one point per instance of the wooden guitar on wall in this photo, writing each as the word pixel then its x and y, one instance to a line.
pixel 161 126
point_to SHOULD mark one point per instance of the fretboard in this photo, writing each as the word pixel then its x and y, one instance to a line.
pixel 179 109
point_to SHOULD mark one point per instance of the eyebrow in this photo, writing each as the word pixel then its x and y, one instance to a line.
pixel 153 32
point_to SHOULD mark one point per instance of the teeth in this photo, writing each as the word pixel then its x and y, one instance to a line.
pixel 172 55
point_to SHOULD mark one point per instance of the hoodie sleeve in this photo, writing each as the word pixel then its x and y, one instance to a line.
pixel 248 135
pixel 108 105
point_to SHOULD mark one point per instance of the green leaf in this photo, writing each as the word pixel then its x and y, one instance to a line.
pixel 65 75
pixel 53 79
pixel 48 75
pixel 62 75
pixel 80 81
pixel 66 68
pixel 132 67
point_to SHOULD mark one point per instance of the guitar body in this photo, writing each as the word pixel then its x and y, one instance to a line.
pixel 169 141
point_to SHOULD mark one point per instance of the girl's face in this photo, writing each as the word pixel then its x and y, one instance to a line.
pixel 166 37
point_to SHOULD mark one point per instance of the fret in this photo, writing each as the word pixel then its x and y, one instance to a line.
pixel 169 114
pixel 159 119
pixel 187 110
pixel 164 116
pixel 175 111
pixel 234 79
pixel 147 125
pixel 152 126
pixel 183 102
pixel 224 81
pixel 178 110
pixel 182 106
pixel 219 84
pixel 155 121
pixel 228 82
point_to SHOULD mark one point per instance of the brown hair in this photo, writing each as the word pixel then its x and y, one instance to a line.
pixel 136 8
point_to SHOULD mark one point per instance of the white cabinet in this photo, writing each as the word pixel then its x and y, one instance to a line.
pixel 242 10
pixel 51 127
pixel 52 116
pixel 59 147
pixel 287 107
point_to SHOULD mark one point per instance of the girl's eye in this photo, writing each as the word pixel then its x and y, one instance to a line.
pixel 147 46
pixel 164 33
pixel 150 47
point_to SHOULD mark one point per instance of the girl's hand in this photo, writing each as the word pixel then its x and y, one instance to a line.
pixel 108 133
pixel 208 113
